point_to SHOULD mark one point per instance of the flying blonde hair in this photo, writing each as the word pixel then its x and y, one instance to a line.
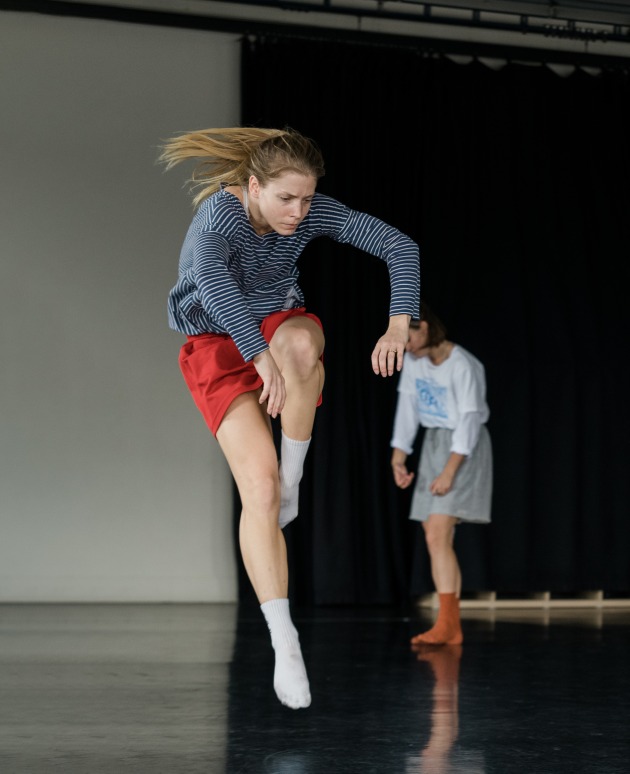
pixel 231 155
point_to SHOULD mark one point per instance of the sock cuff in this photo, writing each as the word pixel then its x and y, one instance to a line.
pixel 278 617
pixel 292 456
pixel 275 606
pixel 292 443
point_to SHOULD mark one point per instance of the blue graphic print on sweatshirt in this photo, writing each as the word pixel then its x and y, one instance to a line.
pixel 431 398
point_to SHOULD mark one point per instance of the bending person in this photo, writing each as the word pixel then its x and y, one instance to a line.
pixel 253 353
pixel 442 388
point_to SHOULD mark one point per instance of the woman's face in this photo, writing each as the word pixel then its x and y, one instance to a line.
pixel 284 202
pixel 418 338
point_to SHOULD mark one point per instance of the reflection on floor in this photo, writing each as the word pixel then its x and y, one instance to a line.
pixel 181 689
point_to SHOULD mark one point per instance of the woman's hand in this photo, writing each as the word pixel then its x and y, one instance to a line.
pixel 441 484
pixel 273 389
pixel 402 477
pixel 390 348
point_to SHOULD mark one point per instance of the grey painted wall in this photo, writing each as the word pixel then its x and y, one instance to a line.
pixel 111 487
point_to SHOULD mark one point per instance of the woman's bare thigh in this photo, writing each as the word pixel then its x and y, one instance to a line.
pixel 246 439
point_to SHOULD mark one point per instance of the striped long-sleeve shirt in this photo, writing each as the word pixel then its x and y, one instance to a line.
pixel 230 278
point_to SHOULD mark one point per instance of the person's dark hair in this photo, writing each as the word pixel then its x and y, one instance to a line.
pixel 437 329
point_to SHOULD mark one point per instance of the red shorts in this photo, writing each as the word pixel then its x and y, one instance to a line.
pixel 216 373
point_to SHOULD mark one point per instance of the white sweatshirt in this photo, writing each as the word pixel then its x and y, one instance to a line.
pixel 450 395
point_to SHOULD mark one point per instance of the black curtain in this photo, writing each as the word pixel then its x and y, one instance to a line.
pixel 514 182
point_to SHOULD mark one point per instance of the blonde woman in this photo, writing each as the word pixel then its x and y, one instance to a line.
pixel 253 353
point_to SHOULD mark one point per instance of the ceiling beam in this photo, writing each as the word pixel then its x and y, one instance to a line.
pixel 453 26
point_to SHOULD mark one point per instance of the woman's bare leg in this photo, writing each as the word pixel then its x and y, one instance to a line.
pixel 296 347
pixel 246 440
pixel 247 443
pixel 439 532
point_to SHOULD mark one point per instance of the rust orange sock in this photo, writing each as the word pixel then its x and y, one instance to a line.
pixel 447 629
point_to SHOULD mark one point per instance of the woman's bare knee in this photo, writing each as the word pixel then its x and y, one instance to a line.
pixel 246 440
pixel 261 495
pixel 438 534
pixel 298 348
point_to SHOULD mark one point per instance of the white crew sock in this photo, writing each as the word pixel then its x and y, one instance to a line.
pixel 292 456
pixel 290 681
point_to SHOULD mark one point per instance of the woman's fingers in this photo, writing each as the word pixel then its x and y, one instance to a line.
pixel 273 389
pixel 276 396
pixel 387 356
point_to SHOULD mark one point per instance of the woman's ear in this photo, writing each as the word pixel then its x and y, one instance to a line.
pixel 254 185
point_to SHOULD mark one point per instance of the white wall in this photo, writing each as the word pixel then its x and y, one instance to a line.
pixel 111 487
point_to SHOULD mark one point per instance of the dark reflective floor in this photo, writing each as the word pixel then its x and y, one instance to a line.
pixel 94 689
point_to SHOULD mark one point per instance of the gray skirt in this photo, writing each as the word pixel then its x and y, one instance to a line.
pixel 470 498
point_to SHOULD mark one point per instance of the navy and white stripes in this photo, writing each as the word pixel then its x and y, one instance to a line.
pixel 230 278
